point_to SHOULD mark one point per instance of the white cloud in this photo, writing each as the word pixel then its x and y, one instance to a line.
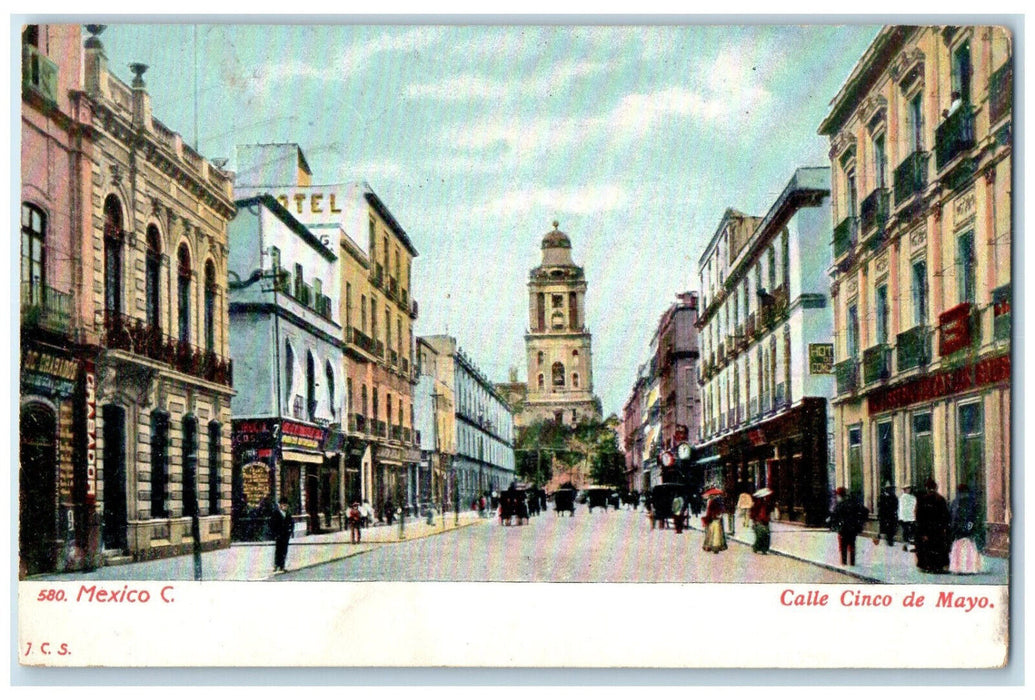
pixel 544 81
pixel 587 199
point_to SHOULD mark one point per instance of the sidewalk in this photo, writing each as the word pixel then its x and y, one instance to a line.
pixel 874 563
pixel 253 561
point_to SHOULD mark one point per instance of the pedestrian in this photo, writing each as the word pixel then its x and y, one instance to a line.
pixel 714 535
pixel 283 527
pixel 759 513
pixel 389 511
pixel 887 514
pixel 932 530
pixel 964 557
pixel 849 518
pixel 355 518
pixel 678 514
pixel 744 504
pixel 907 516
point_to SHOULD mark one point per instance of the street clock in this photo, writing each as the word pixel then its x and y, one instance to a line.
pixel 683 451
pixel 667 460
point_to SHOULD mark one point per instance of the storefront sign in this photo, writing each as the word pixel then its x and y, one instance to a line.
pixel 301 436
pixel 821 358
pixel 47 374
pixel 90 383
pixel 955 329
pixel 989 371
pixel 255 434
pixel 255 483
pixel 757 437
pixel 310 202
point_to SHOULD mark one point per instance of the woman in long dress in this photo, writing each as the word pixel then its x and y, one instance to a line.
pixel 964 558
pixel 714 534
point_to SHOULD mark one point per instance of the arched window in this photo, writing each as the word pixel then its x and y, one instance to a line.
pixel 210 306
pixel 34 230
pixel 558 374
pixel 113 235
pixel 539 357
pixel 152 273
pixel 183 291
pixel 575 380
pixel 542 381
pixel 310 385
pixel 574 353
pixel 329 371
pixel 289 369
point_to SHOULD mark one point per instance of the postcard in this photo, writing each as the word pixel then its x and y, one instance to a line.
pixel 522 345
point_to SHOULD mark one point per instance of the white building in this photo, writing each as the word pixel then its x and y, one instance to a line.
pixel 285 339
pixel 484 459
pixel 766 349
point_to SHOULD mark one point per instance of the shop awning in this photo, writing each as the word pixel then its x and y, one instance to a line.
pixel 648 444
pixel 707 460
pixel 294 456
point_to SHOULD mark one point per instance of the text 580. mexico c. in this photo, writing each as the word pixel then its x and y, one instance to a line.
pixel 99 593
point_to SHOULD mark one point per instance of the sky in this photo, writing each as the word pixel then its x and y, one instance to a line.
pixel 635 138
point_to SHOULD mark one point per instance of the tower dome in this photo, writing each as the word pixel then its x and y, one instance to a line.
pixel 556 247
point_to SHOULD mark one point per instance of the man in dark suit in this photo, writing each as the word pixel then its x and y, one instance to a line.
pixel 283 527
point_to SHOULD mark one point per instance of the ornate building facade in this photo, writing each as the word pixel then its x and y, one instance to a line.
pixel 558 345
pixel 922 132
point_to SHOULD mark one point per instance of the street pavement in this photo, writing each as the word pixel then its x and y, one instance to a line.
pixel 598 546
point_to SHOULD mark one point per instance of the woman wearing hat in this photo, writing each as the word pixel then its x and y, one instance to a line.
pixel 760 517
pixel 714 535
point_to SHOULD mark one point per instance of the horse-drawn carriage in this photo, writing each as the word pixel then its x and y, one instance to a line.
pixel 514 504
pixel 564 500
pixel 662 498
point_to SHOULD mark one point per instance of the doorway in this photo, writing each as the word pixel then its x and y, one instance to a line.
pixel 37 476
pixel 114 477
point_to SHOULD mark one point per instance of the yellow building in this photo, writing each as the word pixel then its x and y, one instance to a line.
pixel 921 146
pixel 159 258
pixel 435 411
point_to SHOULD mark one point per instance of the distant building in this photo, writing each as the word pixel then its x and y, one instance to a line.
pixel 922 292
pixel 484 423
pixel 765 329
pixel 434 406
pixel 285 340
pixel 558 345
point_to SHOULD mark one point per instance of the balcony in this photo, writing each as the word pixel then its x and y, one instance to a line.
pixel 750 327
pixel 379 349
pixel 1000 93
pixel 362 424
pixel 847 374
pixel 910 177
pixel 323 306
pixel 39 73
pixel 913 348
pixel 396 433
pixel 876 363
pixel 781 394
pixel 361 340
pixel 133 335
pixel 351 423
pixel 393 288
pixel 954 136
pixel 874 213
pixel 377 278
pixel 45 308
pixel 379 429
pixel 393 358
pixel 753 407
pixel 846 235
pixel 406 435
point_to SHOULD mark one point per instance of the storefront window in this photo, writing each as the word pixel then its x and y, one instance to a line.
pixel 855 472
pixel 971 454
pixel 885 454
pixel 159 463
pixel 923 450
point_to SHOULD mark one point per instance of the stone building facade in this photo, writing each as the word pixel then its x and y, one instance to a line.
pixel 921 153
pixel 157 251
pixel 558 345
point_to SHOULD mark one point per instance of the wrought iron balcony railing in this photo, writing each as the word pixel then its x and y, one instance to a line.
pixel 913 348
pixel 910 176
pixel 846 235
pixel 954 136
pixel 45 307
pixel 1000 93
pixel 875 211
pixel 123 332
pixel 876 363
pixel 847 374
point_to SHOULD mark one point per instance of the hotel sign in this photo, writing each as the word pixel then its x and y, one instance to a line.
pixel 301 436
pixel 821 358
pixel 955 329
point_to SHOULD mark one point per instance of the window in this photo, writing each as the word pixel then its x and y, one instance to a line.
pixel 922 450
pixel 852 334
pixel 112 255
pixel 966 266
pixel 183 292
pixel 400 414
pixel 373 319
pixel 388 327
pixel 310 385
pixel 372 228
pixel 210 307
pixel 574 353
pixel 919 292
pixel 881 304
pixel 885 455
pixel 215 460
pixel 575 380
pixel 388 407
pixel 275 258
pixel 880 161
pixel 329 374
pixel 916 122
pixel 190 466
pixel 556 300
pixel 363 312
pixel 541 382
pixel 771 263
pixel 289 369
pixel 159 463
pixel 152 281
pixel 299 281
pixel 855 475
pixel 363 400
pixel 852 193
pixel 348 305
pixel 785 256
pixel 33 235
pixel 961 72
pixel 539 357
pixel 573 311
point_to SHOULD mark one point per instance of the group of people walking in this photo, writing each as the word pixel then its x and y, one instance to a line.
pixel 756 508
pixel 945 538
